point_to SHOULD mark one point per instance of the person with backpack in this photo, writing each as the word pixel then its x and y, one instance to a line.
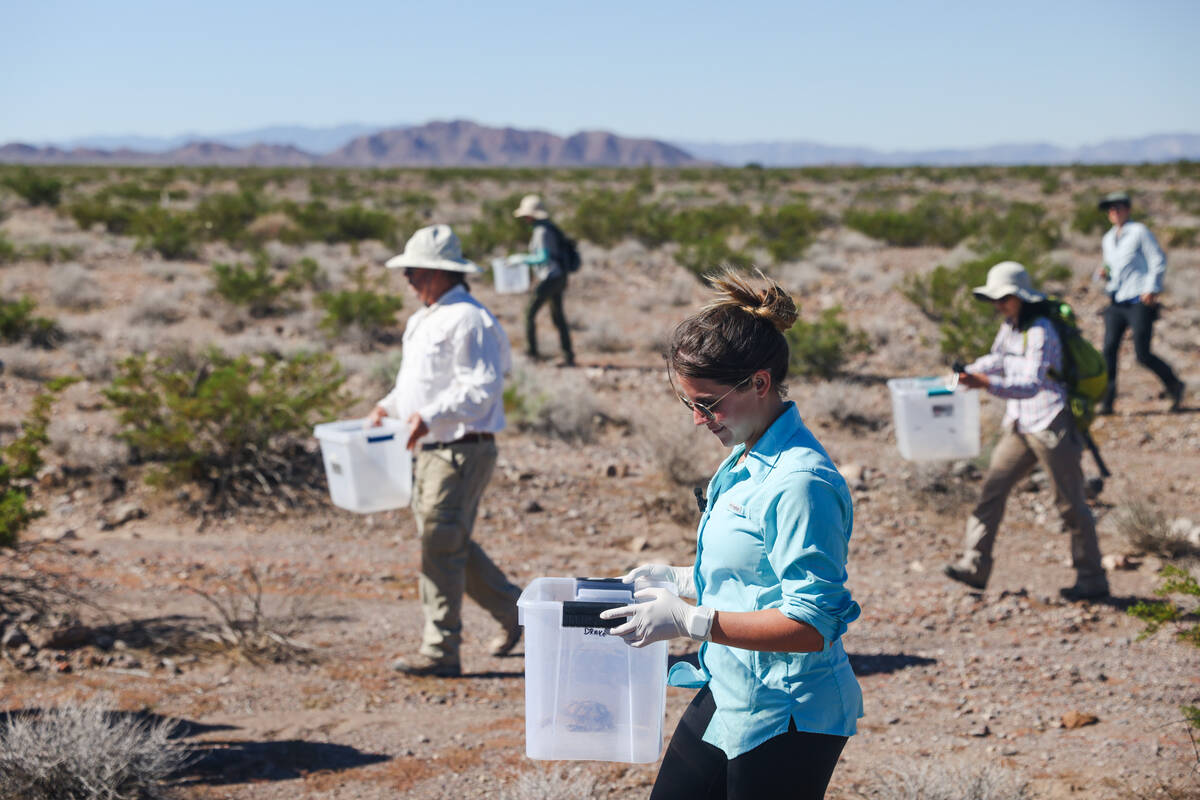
pixel 1134 266
pixel 553 255
pixel 1024 367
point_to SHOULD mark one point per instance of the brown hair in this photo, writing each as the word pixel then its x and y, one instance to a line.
pixel 738 333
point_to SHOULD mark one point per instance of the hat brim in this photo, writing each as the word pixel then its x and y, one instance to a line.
pixel 1000 292
pixel 519 213
pixel 1105 205
pixel 404 261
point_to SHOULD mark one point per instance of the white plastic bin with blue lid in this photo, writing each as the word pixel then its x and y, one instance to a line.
pixel 510 276
pixel 589 695
pixel 368 469
pixel 935 420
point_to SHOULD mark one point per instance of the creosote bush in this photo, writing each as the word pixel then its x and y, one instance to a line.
pixel 368 307
pixel 20 461
pixel 87 753
pixel 17 323
pixel 239 427
pixel 820 348
pixel 257 289
pixel 35 186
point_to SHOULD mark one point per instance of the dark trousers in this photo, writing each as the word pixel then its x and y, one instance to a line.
pixel 1139 318
pixel 793 765
pixel 552 290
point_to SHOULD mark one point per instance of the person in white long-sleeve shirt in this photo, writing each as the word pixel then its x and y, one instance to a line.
pixel 1134 266
pixel 450 392
pixel 1038 428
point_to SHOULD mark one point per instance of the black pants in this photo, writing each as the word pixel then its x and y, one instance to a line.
pixel 1140 318
pixel 552 290
pixel 792 766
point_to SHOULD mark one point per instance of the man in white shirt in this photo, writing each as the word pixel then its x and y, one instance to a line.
pixel 450 391
pixel 1134 266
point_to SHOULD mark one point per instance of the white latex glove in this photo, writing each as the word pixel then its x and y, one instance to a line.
pixel 685 586
pixel 518 258
pixel 666 616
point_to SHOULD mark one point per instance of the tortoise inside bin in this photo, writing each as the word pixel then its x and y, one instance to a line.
pixel 588 695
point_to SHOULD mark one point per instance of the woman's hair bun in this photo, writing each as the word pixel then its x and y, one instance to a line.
pixel 771 302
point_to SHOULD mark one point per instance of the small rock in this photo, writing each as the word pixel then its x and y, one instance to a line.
pixel 126 512
pixel 533 507
pixel 979 731
pixel 13 637
pixel 68 535
pixel 1115 561
pixel 638 544
pixel 67 638
pixel 611 471
pixel 1076 719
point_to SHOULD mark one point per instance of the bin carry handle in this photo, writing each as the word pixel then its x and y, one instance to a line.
pixel 605 584
pixel 941 390
pixel 586 614
pixel 387 437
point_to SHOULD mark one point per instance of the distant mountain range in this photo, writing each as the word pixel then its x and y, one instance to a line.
pixel 456 143
pixel 464 143
pixel 1161 147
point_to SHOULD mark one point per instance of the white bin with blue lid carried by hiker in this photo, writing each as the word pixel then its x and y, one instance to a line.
pixel 935 418
pixel 368 469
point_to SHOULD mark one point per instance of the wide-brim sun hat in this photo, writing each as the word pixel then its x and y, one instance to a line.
pixel 531 206
pixel 1115 199
pixel 1008 278
pixel 434 247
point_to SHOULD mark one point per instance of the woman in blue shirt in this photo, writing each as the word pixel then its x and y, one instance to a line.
pixel 778 699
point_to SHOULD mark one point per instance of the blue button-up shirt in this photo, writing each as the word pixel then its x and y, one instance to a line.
pixel 775 534
pixel 1135 262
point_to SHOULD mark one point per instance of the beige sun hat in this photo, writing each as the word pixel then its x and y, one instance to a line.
pixel 434 247
pixel 1008 277
pixel 532 206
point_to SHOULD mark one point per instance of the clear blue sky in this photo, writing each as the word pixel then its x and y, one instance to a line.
pixel 876 73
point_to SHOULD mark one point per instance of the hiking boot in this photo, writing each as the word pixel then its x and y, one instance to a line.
pixel 1176 395
pixel 421 665
pixel 1091 589
pixel 965 575
pixel 503 644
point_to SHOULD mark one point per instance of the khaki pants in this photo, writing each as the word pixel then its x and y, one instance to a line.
pixel 447 484
pixel 1059 449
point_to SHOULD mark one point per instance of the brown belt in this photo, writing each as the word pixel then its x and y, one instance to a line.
pixel 469 438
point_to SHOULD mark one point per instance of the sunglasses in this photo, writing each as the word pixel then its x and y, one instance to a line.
pixel 707 410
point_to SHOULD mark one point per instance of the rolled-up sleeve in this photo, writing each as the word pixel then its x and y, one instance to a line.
pixel 807 547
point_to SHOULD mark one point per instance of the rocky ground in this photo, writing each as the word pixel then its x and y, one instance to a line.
pixel 1063 695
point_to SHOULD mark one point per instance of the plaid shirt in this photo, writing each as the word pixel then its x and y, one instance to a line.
pixel 1016 368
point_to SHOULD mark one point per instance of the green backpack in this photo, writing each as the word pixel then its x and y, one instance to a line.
pixel 1084 373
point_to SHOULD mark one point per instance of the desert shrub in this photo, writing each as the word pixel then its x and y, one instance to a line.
pixel 605 336
pixel 257 289
pixel 938 780
pixel 20 461
pixel 1157 613
pixel 1022 229
pixel 1087 217
pixel 604 216
pixel 50 253
pixel 933 220
pixel 237 426
pixel 821 347
pixel 559 405
pixel 1147 530
pixel 83 751
pixel 710 254
pixel 1176 237
pixel 307 273
pixel 158 307
pixel 227 216
pixel 551 782
pixel 1186 200
pixel 966 326
pixel 117 218
pixel 171 235
pixel 496 229
pixel 35 187
pixel 788 230
pixel 316 221
pixel 675 446
pixel 8 250
pixel 840 402
pixel 17 323
pixel 368 307
pixel 247 627
pixel 75 288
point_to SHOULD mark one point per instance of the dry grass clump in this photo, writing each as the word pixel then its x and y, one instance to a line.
pixel 677 449
pixel 954 781
pixel 1148 530
pixel 248 628
pixel 74 288
pixel 605 336
pixel 157 307
pixel 83 752
pixel 559 404
pixel 551 783
pixel 842 402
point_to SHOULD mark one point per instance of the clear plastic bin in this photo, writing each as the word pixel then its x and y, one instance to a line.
pixel 588 695
pixel 368 469
pixel 509 277
pixel 934 421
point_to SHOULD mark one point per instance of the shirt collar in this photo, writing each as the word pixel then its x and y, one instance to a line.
pixel 454 294
pixel 767 450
